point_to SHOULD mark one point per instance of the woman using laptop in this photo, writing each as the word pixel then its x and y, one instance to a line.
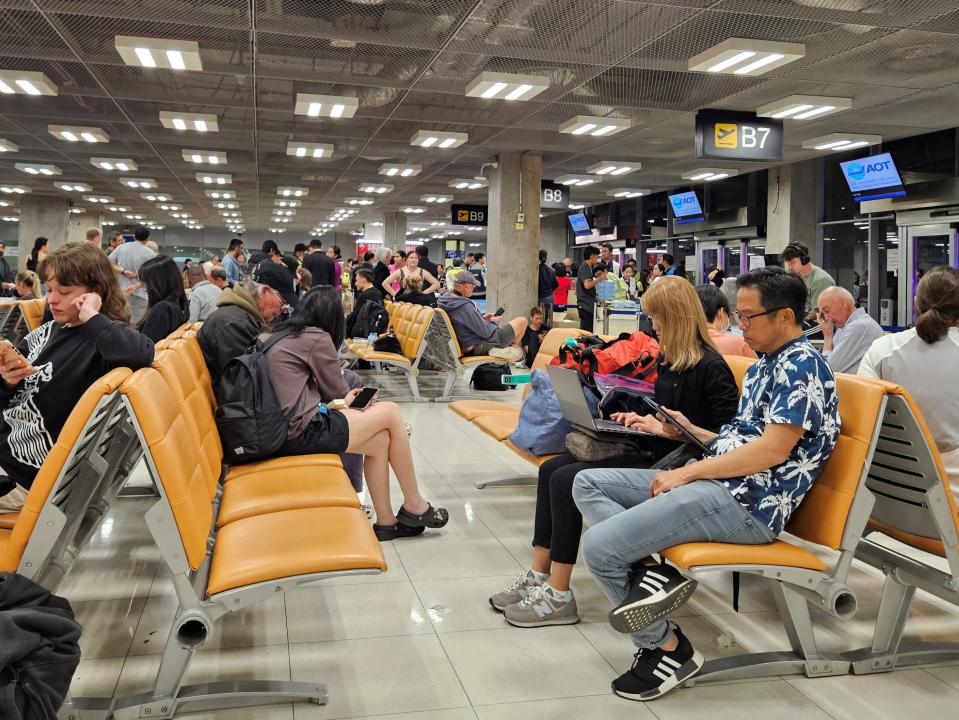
pixel 692 378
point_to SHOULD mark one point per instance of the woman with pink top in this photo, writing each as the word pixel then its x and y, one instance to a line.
pixel 716 306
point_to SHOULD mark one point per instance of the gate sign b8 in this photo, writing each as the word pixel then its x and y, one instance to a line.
pixel 553 195
pixel 469 214
pixel 729 135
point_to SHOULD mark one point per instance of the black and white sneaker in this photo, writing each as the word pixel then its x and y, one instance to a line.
pixel 656 672
pixel 656 593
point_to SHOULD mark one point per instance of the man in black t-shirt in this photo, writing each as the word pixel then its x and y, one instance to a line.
pixel 586 288
pixel 321 266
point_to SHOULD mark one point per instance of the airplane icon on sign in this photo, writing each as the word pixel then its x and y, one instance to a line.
pixel 723 134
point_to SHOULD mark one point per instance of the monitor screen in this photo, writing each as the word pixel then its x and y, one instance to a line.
pixel 686 207
pixel 873 178
pixel 580 224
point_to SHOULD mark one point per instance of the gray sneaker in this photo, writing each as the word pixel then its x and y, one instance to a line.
pixel 541 607
pixel 514 592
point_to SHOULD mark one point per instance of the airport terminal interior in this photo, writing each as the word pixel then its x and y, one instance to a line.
pixel 509 145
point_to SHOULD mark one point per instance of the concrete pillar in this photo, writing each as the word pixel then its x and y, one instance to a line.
pixel 512 251
pixel 79 223
pixel 42 216
pixel 791 207
pixel 394 230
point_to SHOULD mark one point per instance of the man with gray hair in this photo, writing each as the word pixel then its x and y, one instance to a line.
pixel 203 294
pixel 481 333
pixel 847 330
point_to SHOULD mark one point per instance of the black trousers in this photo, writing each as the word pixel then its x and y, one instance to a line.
pixel 559 524
pixel 585 319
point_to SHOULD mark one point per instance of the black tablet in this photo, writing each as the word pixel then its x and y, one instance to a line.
pixel 658 409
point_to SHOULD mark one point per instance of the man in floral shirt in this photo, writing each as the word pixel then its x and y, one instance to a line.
pixel 765 461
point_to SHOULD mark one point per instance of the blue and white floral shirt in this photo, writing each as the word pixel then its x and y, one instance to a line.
pixel 793 386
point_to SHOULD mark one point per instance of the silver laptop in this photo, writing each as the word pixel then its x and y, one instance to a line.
pixel 569 392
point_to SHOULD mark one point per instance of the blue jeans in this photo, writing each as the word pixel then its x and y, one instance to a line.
pixel 627 525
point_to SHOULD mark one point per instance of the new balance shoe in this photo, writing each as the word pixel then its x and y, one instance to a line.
pixel 511 354
pixel 655 672
pixel 515 591
pixel 655 594
pixel 541 607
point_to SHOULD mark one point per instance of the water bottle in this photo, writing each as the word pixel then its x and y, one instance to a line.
pixel 571 342
pixel 371 338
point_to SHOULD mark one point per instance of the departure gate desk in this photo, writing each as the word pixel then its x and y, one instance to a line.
pixel 618 317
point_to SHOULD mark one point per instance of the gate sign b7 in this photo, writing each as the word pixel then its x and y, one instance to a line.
pixel 729 135
pixel 469 214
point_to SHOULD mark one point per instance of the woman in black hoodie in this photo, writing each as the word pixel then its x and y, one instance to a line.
pixel 88 336
pixel 167 306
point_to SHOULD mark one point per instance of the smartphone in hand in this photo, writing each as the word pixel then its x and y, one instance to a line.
pixel 364 398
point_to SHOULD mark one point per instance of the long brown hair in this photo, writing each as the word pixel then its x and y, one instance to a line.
pixel 937 299
pixel 87 266
pixel 682 324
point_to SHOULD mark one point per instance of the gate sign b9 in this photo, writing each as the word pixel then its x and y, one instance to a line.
pixel 469 214
pixel 729 135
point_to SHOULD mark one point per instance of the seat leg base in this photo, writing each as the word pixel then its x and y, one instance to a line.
pixel 205 697
pixel 769 664
pixel 866 662
pixel 515 481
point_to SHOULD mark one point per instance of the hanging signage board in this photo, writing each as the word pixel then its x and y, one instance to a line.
pixel 469 214
pixel 553 196
pixel 731 135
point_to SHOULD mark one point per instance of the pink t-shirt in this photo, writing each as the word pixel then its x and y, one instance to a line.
pixel 731 344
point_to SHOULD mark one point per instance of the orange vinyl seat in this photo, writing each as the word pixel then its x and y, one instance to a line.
pixel 33 312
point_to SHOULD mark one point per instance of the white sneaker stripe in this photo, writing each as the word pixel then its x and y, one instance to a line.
pixel 669 661
pixel 660 674
pixel 650 585
pixel 656 575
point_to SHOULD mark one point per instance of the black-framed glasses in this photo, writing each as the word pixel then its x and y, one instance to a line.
pixel 744 321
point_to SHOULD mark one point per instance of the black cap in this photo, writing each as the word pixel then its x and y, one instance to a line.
pixel 278 277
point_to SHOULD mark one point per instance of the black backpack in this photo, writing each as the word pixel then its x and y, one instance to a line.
pixel 489 376
pixel 371 317
pixel 251 423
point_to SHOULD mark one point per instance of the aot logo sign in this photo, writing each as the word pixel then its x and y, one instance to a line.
pixel 870 173
pixel 726 134
pixel 685 205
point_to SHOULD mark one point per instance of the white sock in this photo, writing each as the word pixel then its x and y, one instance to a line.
pixel 565 595
pixel 539 577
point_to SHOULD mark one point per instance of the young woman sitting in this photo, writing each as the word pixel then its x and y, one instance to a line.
pixel 412 292
pixel 692 377
pixel 305 372
pixel 167 306
pixel 716 306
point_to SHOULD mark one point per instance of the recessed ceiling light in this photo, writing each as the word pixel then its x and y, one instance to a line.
pixel 292 191
pixel 72 187
pixel 170 207
pixel 214 178
pixel 709 174
pixel 286 203
pixel 506 86
pixel 282 213
pixel 436 198
pixel 14 189
pixel 7 146
pixel 414 210
pixel 226 205
pixel 220 194
pixel 435 138
pixel 117 164
pixel 743 56
pixel 804 107
pixel 156 197
pixel 841 141
pixel 277 230
pixel 627 192
pixel 159 53
pixel 398 170
pixel 198 122
pixel 38 169
pixel 612 167
pixel 331 106
pixel 375 188
pixel 359 201
pixel 467 183
pixel 316 151
pixel 204 157
pixel 98 199
pixel 15 82
pixel 595 126
pixel 577 180
pixel 72 133
pixel 144 183
pixel 575 206
pixel 118 208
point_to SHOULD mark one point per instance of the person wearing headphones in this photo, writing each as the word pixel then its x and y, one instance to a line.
pixel 796 259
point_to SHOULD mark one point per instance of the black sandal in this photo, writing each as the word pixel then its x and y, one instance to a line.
pixel 385 533
pixel 432 518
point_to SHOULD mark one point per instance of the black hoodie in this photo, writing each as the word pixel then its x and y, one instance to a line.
pixel 68 360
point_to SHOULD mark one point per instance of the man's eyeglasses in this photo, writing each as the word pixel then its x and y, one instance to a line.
pixel 744 321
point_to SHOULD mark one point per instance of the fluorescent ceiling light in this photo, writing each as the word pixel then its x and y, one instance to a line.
pixel 414 210
pixel 220 194
pixel 358 201
pixel 595 126
pixel 292 191
pixel 14 82
pixel 444 140
pixel 98 199
pixel 627 192
pixel 214 178
pixel 709 174
pixel 38 169
pixel 375 188
pixel 612 167
pixel 333 106
pixel 277 230
pixel 804 107
pixel 73 134
pixel 506 86
pixel 72 186
pixel 197 122
pixel 170 208
pixel 118 208
pixel 841 141
pixel 316 151
pixel 577 180
pixel 226 205
pixel 436 198
pixel 7 146
pixel 159 53
pixel 145 183
pixel 120 164
pixel 467 184
pixel 744 56
pixel 204 157
pixel 286 203
pixel 575 206
pixel 156 197
pixel 399 170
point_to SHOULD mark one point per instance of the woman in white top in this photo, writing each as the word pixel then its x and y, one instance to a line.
pixel 411 269
pixel 924 360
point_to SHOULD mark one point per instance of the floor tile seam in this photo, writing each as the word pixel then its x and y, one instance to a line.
pixel 156 574
pixel 788 678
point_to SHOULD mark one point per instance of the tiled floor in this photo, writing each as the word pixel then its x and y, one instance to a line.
pixel 420 641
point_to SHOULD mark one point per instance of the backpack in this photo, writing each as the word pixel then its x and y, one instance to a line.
pixel 371 317
pixel 489 376
pixel 542 428
pixel 633 355
pixel 249 419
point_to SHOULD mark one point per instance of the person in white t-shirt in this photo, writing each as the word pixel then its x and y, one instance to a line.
pixel 924 360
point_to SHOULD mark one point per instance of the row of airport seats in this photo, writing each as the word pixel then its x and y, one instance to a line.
pixel 424 334
pixel 230 537
pixel 20 317
pixel 884 479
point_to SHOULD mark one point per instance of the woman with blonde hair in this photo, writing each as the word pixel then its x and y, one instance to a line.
pixel 692 378
pixel 412 292
pixel 27 285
